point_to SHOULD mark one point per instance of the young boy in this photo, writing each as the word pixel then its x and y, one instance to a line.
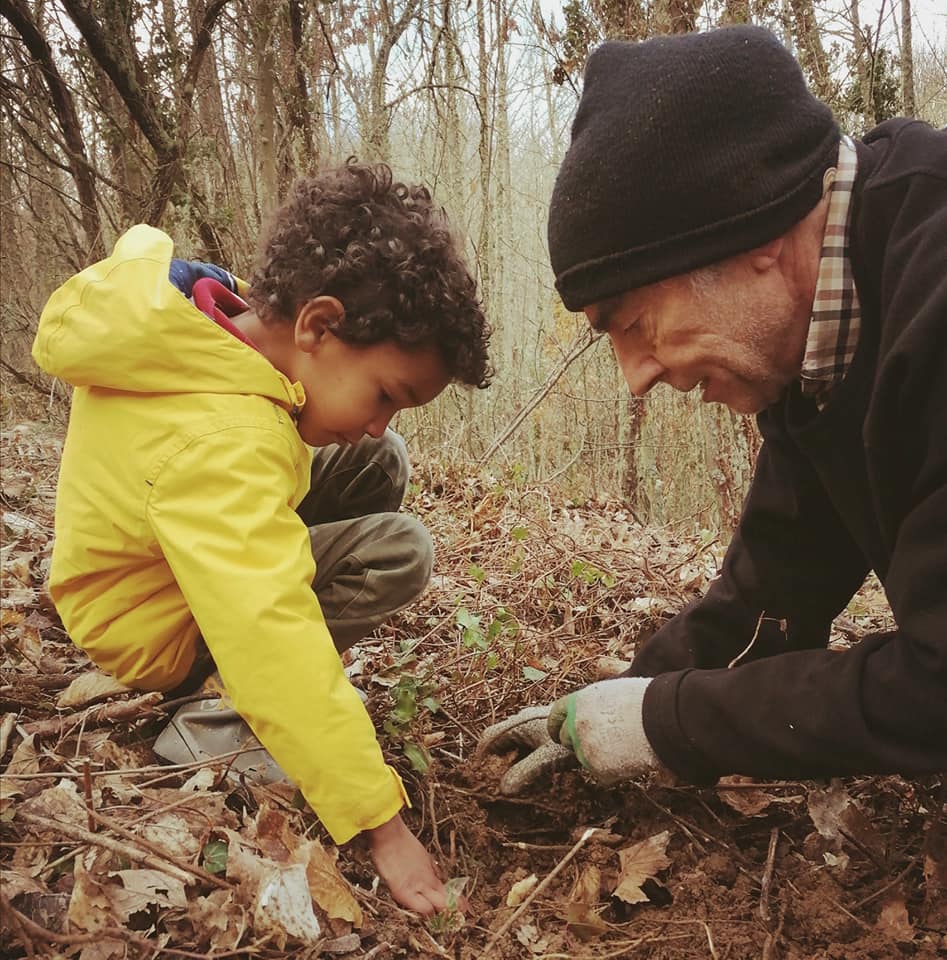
pixel 186 461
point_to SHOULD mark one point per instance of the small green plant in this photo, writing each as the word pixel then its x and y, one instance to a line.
pixel 476 637
pixel 591 575
pixel 450 919
pixel 410 696
pixel 214 856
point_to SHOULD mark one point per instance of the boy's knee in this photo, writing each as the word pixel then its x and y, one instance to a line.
pixel 391 455
pixel 415 552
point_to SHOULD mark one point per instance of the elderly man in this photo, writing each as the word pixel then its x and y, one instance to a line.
pixel 710 218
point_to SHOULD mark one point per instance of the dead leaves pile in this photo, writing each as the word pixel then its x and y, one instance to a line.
pixel 175 866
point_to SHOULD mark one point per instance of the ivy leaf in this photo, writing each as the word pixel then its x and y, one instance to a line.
pixel 418 757
pixel 215 856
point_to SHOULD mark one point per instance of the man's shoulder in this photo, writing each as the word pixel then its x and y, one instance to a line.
pixel 903 147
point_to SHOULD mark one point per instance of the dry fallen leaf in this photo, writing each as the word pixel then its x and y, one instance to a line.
pixel 838 817
pixel 521 890
pixel 641 862
pixel 89 903
pixel 749 802
pixel 284 905
pixel 25 758
pixel 894 921
pixel 582 917
pixel 61 803
pixel 328 887
pixel 107 949
pixel 219 918
pixel 90 687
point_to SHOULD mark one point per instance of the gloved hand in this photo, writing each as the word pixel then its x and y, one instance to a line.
pixel 602 725
pixel 526 729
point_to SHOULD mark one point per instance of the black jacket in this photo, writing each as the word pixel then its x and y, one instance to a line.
pixel 861 485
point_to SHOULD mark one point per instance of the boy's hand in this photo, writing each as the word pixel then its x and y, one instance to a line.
pixel 407 868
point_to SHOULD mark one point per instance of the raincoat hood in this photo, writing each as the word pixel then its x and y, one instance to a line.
pixel 121 324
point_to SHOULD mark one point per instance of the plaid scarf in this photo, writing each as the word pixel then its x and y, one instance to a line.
pixel 836 314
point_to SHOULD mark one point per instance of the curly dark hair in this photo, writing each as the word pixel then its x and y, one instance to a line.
pixel 387 253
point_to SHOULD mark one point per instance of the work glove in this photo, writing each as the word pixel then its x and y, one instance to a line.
pixel 526 730
pixel 602 725
pixel 599 726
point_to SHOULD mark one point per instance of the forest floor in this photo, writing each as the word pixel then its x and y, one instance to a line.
pixel 105 854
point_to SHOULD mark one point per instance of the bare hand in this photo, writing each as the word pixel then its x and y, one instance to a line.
pixel 408 869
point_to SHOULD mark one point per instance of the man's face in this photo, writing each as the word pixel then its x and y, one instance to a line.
pixel 729 330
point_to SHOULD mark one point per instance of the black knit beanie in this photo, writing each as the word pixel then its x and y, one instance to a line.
pixel 685 150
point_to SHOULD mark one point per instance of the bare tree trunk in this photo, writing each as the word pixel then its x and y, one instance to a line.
pixel 810 51
pixel 484 150
pixel 107 34
pixel 376 137
pixel 676 16
pixel 861 63
pixel 736 11
pixel 265 59
pixel 18 14
pixel 907 60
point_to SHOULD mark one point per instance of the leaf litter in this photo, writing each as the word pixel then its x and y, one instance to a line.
pixel 106 853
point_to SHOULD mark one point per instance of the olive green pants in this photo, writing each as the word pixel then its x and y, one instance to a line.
pixel 370 562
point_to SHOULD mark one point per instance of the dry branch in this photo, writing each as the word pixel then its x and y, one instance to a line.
pixel 186 874
pixel 582 342
pixel 114 712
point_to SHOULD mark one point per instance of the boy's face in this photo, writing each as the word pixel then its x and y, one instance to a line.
pixel 354 390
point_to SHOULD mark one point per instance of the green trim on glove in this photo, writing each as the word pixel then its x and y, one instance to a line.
pixel 561 725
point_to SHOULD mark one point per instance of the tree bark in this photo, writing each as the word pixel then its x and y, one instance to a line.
pixel 811 53
pixel 18 14
pixel 907 60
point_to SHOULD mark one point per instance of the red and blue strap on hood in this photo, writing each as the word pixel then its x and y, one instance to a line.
pixel 213 291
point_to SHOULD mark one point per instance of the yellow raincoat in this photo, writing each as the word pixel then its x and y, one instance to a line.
pixel 175 518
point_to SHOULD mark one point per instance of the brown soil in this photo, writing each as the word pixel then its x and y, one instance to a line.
pixel 553 589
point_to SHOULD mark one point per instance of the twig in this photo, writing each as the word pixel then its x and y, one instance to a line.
pixel 122 831
pixel 831 900
pixel 89 799
pixel 434 836
pixel 892 883
pixel 495 939
pixel 96 716
pixel 710 940
pixel 100 840
pixel 582 342
pixel 164 769
pixel 767 880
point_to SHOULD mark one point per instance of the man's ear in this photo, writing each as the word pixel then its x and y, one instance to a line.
pixel 314 320
pixel 764 257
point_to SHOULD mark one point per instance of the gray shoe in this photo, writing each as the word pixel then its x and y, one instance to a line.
pixel 211 728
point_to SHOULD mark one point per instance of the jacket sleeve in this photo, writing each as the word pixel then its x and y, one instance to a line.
pixel 242 559
pixel 880 707
pixel 789 570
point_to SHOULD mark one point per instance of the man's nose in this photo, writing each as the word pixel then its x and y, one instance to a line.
pixel 641 371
